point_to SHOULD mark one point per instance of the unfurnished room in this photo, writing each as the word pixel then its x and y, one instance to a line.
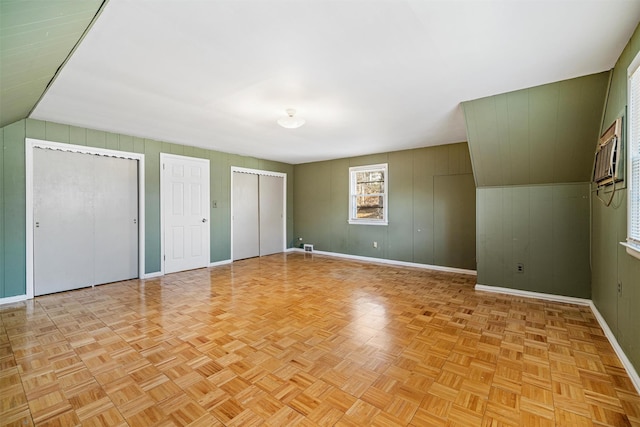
pixel 320 213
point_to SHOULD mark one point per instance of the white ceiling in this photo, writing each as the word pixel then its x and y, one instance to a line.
pixel 368 76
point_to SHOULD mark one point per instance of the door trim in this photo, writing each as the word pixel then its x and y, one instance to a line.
pixel 284 200
pixel 30 145
pixel 167 156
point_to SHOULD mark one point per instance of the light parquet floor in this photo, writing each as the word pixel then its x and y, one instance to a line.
pixel 299 339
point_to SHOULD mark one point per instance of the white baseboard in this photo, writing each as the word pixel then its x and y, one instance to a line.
pixel 389 261
pixel 217 263
pixel 11 300
pixel 530 294
pixel 626 363
pixel 628 366
pixel 152 275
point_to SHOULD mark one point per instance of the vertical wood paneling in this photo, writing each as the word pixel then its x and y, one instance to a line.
pixel 401 199
pixel 153 233
pixel 545 152
pixel 125 143
pixel 530 136
pixel 410 235
pixel 423 206
pixel 544 227
pixel 112 141
pixel 36 129
pixel 610 262
pixel 339 180
pixel 2 215
pixel 57 132
pixel 96 138
pixel 541 238
pixel 14 203
pixel 455 230
pixel 519 155
pixel 77 135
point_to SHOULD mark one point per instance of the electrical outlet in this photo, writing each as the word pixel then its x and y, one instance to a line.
pixel 520 267
pixel 214 204
pixel 375 245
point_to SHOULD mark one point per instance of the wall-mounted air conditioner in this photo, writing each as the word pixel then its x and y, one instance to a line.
pixel 609 166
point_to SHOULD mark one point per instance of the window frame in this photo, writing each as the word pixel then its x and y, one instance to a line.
pixel 353 219
pixel 633 152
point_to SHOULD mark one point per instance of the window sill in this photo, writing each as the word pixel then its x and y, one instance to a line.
pixel 365 222
pixel 634 251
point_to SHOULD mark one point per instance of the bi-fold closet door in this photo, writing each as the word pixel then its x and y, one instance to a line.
pixel 258 215
pixel 85 213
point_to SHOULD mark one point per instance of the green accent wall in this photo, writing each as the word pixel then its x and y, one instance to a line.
pixel 610 262
pixel 532 153
pixel 545 228
pixel 46 30
pixel 431 207
pixel 541 135
pixel 13 199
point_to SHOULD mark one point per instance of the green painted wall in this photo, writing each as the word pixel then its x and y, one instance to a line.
pixel 542 135
pixel 610 262
pixel 12 191
pixel 543 227
pixel 532 153
pixel 46 30
pixel 431 207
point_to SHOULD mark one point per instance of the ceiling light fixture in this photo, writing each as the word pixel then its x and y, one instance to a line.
pixel 291 122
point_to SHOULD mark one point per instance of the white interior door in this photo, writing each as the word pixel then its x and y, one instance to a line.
pixel 271 200
pixel 63 221
pixel 185 207
pixel 84 233
pixel 115 219
pixel 246 221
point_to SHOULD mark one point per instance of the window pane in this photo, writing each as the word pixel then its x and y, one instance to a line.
pixel 374 187
pixel 634 154
pixel 370 207
pixel 367 191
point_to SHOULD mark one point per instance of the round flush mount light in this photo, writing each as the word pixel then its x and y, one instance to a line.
pixel 291 122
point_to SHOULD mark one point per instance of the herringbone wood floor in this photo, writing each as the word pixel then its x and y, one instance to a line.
pixel 296 339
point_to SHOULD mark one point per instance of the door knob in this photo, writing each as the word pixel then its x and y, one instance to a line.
pixel 204 219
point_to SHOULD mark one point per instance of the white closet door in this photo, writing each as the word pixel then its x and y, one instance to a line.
pixel 85 220
pixel 116 219
pixel 63 221
pixel 246 223
pixel 271 214
pixel 186 213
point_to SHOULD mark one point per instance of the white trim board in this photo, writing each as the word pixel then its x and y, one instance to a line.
pixel 218 263
pixel 389 261
pixel 30 145
pixel 11 300
pixel 626 363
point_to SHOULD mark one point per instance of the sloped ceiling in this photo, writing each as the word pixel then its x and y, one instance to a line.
pixel 368 76
pixel 540 135
pixel 36 37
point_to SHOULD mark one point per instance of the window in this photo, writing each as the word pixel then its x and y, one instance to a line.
pixel 368 195
pixel 633 235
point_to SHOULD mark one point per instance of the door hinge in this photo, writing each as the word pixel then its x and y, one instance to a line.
pixel 164 257
pixel 163 166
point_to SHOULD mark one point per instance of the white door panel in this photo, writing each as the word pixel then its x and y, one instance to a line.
pixel 85 220
pixel 116 219
pixel 246 221
pixel 186 213
pixel 271 214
